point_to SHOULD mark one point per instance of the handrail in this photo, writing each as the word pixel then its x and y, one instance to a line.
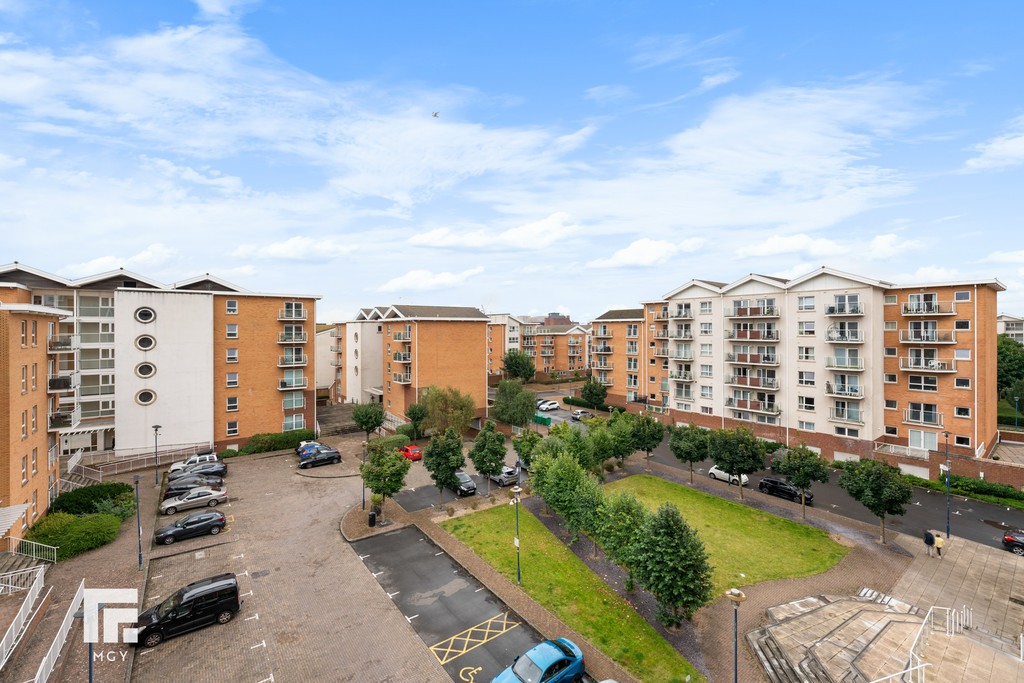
pixel 39 551
pixel 18 623
pixel 20 579
pixel 46 666
pixel 912 669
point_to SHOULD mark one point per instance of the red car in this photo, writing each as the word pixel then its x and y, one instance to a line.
pixel 411 452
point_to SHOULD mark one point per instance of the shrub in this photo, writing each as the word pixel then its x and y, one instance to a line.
pixel 50 526
pixel 407 430
pixel 227 453
pixel 279 441
pixel 82 501
pixel 609 467
pixel 122 507
pixel 573 401
pixel 451 511
pixel 388 443
pixel 74 535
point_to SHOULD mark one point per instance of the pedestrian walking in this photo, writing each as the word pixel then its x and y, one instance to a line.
pixel 929 543
pixel 939 544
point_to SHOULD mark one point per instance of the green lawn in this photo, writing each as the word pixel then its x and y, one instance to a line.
pixel 556 579
pixel 739 539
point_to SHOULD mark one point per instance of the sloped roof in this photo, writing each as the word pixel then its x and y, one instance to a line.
pixel 622 314
pixel 208 282
pixel 446 312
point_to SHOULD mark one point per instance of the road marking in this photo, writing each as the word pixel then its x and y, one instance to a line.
pixel 409 619
pixel 155 597
pixel 262 644
pixel 377 574
pixel 255 616
pixel 391 595
pixel 271 679
pixel 471 671
pixel 363 557
pixel 245 595
pixel 159 576
pixel 245 573
pixel 238 557
pixel 461 643
pixel 479 589
pixel 145 652
pixel 231 518
pixel 440 553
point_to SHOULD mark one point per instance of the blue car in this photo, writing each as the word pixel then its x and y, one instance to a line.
pixel 553 661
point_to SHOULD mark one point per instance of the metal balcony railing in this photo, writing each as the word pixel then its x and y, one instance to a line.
pixel 927 418
pixel 606 381
pixel 603 349
pixel 292 337
pixel 930 308
pixel 292 314
pixel 768 407
pixel 844 390
pixel 752 358
pixel 844 363
pixel 402 357
pixel 753 312
pixel 290 384
pixel 681 376
pixel 845 415
pixel 292 361
pixel 65 419
pixel 401 378
pixel 63 343
pixel 660 351
pixel 402 336
pixel 604 366
pixel 845 309
pixel 927 364
pixel 682 313
pixel 682 355
pixel 752 334
pixel 337 362
pixel 844 336
pixel 748 381
pixel 927 337
pixel 293 404
pixel 337 348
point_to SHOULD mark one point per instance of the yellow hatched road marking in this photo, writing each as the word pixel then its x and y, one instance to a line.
pixel 461 643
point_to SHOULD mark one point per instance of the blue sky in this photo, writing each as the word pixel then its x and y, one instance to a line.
pixel 584 156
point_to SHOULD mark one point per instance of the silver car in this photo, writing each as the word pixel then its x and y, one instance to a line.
pixel 507 476
pixel 201 496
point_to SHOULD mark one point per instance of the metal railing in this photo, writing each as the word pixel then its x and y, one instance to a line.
pixel 19 546
pixel 753 312
pixel 930 308
pixel 844 390
pixel 52 455
pixel 905 451
pixel 844 363
pixel 606 381
pixel 402 336
pixel 603 349
pixel 927 336
pixel 19 580
pixel 400 378
pixel 754 405
pixel 845 415
pixel 928 364
pixel 300 383
pixel 928 418
pixel 681 313
pixel 73 461
pixel 400 357
pixel 18 623
pixel 844 336
pixel 292 360
pixel 63 343
pixel 953 622
pixel 772 335
pixel 65 485
pixel 292 314
pixel 684 376
pixel 292 337
pixel 46 666
pixel 65 418
pixel 754 381
pixel 845 309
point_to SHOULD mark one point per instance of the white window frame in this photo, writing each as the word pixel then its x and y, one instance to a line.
pixel 891 404
pixel 891 326
pixel 962 354
pixel 962 295
pixel 805 403
pixel 803 380
pixel 962 441
pixel 232 404
pixel 228 382
pixel 805 328
pixel 231 332
pixel 805 353
pixel 962 412
pixel 705 307
pixel 962 383
pixel 231 356
pixel 805 426
pixel 891 378
pixel 232 428
pixel 805 303
pixel 963 325
pixel 891 351
pixel 231 306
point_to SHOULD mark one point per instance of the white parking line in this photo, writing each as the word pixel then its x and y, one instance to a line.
pixel 271 679
pixel 440 553
pixel 479 589
pixel 155 597
pixel 377 574
pixel 391 595
pixel 245 595
pixel 409 619
pixel 363 557
pixel 255 616
pixel 245 573
pixel 262 644
pixel 238 557
pixel 145 652
pixel 160 576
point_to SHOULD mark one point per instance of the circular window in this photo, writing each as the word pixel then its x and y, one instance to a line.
pixel 355 352
pixel 145 369
pixel 145 315
pixel 145 342
pixel 145 397
pixel 355 337
pixel 355 369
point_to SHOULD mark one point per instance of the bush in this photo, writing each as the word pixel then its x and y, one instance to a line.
pixel 279 441
pixel 74 535
pixel 83 501
pixel 407 430
pixel 227 453
pixel 52 525
pixel 573 401
pixel 388 443
pixel 122 507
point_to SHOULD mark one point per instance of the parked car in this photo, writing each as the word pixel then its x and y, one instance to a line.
pixel 324 457
pixel 467 486
pixel 319 450
pixel 716 473
pixel 186 484
pixel 201 456
pixel 553 661
pixel 507 476
pixel 303 444
pixel 411 452
pixel 1014 542
pixel 782 488
pixel 216 468
pixel 548 405
pixel 539 401
pixel 199 604
pixel 580 414
pixel 193 524
pixel 199 497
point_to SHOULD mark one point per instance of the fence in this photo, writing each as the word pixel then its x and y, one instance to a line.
pixel 179 451
pixel 46 666
pixel 19 580
pixel 953 621
pixel 19 546
pixel 14 631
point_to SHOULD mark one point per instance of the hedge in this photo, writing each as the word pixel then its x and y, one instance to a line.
pixel 227 453
pixel 280 441
pixel 74 535
pixel 83 501
pixel 388 443
pixel 407 430
pixel 605 407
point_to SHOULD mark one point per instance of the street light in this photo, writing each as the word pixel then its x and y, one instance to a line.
pixel 156 458
pixel 1016 400
pixel 946 434
pixel 80 614
pixel 361 475
pixel 737 596
pixel 516 490
pixel 138 517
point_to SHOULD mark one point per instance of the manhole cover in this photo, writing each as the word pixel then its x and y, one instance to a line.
pixel 262 572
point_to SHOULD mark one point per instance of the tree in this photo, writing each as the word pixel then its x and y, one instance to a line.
pixel 417 413
pixel 593 392
pixel 513 404
pixel 602 445
pixel 583 508
pixel 648 432
pixel 672 564
pixel 620 427
pixel 620 525
pixel 802 466
pixel 553 375
pixel 448 408
pixel 518 365
pixel 558 481
pixel 488 452
pixel 369 417
pixel 689 444
pixel 384 472
pixel 877 486
pixel 574 442
pixel 737 452
pixel 1009 363
pixel 443 457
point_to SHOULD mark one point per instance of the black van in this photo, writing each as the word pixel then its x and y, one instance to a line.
pixel 198 604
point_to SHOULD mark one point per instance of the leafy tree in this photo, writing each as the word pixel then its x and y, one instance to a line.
pixel 737 452
pixel 689 444
pixel 672 564
pixel 518 365
pixel 1009 363
pixel 553 375
pixel 602 445
pixel 877 486
pixel 513 404
pixel 620 427
pixel 525 445
pixel 417 413
pixel 369 417
pixel 448 408
pixel 648 432
pixel 802 466
pixel 593 392
pixel 488 452
pixel 384 472
pixel 443 457
pixel 1016 388
pixel 584 507
pixel 620 526
pixel 558 482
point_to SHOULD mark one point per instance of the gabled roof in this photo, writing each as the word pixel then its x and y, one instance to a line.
pixel 408 312
pixel 555 329
pixel 709 285
pixel 767 280
pixel 15 266
pixel 121 273
pixel 1009 316
pixel 825 270
pixel 207 282
pixel 994 283
pixel 622 314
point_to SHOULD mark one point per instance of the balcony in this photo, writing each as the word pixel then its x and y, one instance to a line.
pixel 681 376
pixel 844 363
pixel 663 314
pixel 905 451
pixel 684 395
pixel 401 378
pixel 927 337
pixel 291 314
pixel 682 314
pixel 293 404
pixel 337 348
pixel 96 390
pixel 64 381
pixel 681 355
pixel 604 366
pixel 604 349
pixel 752 359
pixel 337 362
pixel 772 335
pixel 63 343
pixel 660 351
pixel 292 361
pixel 930 308
pixel 606 381
pixel 292 337
pixel 94 364
pixel 847 415
pixel 927 364
pixel 402 357
pixel 293 384
pixel 602 334
pixel 529 342
pixel 753 312
pixel 770 383
pixel 402 336
pixel 767 407
pixel 65 419
pixel 834 336
pixel 925 418
pixel 844 390
pixel 845 309
pixel 336 333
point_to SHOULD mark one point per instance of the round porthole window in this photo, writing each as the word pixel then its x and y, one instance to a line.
pixel 145 369
pixel 145 397
pixel 355 352
pixel 355 337
pixel 145 315
pixel 145 342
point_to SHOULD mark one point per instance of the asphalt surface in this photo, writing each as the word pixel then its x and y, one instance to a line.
pixel 423 497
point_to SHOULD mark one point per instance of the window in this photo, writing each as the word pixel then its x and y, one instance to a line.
pixel 806 426
pixel 891 351
pixel 145 397
pixel 846 431
pixel 632 347
pixel 232 428
pixel 631 364
pixel 805 378
pixel 805 329
pixel 24 333
pixel 890 299
pixel 805 402
pixel 963 383
pixel 632 330
pixel 891 430
pixel 923 383
pixel 34 330
pixel 293 399
pixel 706 392
pixel 293 422
pixel 805 353
pixel 35 372
pixel 705 371
pixel 232 332
pixel 962 411
pixel 232 380
pixel 705 307
pixel 232 404
pixel 632 381
pixel 232 356
pixel 35 427
pixel 145 314
pixel 962 354
pixel 145 369
pixel 706 410
pixel 890 404
pixel 653 361
pixel 805 303
pixel 890 378
pixel 232 306
pixel 705 328
pixel 24 424
pixel 35 460
pixel 24 470
pixel 962 441
pixel 651 379
pixel 24 379
pixel 962 296
pixel 35 500
pixel 145 342
pixel 961 324
pixel 891 325
pixel 631 396
pixel 705 349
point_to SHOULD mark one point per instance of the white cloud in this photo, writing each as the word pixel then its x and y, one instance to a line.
pixel 299 248
pixel 717 79
pixel 890 246
pixel 221 8
pixel 1016 257
pixel 800 243
pixel 647 252
pixel 424 280
pixel 7 162
pixel 532 236
pixel 154 256
pixel 607 94
pixel 1003 151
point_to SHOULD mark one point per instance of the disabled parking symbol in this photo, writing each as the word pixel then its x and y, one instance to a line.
pixel 469 671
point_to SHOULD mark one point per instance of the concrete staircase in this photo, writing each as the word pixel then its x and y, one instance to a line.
pixel 336 419
pixel 12 562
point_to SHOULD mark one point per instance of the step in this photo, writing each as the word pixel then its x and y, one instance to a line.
pixel 836 652
pixel 888 652
pixel 781 668
pixel 787 610
pixel 12 562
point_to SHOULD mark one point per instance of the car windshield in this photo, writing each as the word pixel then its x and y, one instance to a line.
pixel 526 671
pixel 463 477
pixel 169 604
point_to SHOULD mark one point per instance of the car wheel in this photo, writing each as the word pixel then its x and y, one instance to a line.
pixel 214 531
pixel 169 540
pixel 1017 550
pixel 336 461
pixel 153 639
pixel 170 511
pixel 225 616
pixel 712 475
pixel 212 503
pixel 762 488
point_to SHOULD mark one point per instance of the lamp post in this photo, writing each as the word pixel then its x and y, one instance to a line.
pixel 156 458
pixel 80 614
pixel 737 596
pixel 138 517
pixel 516 490
pixel 946 434
pixel 1016 400
pixel 361 476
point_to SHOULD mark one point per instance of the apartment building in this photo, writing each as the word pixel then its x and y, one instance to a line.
pixel 1010 325
pixel 560 349
pixel 619 353
pixel 211 362
pixel 848 364
pixel 29 465
pixel 504 333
